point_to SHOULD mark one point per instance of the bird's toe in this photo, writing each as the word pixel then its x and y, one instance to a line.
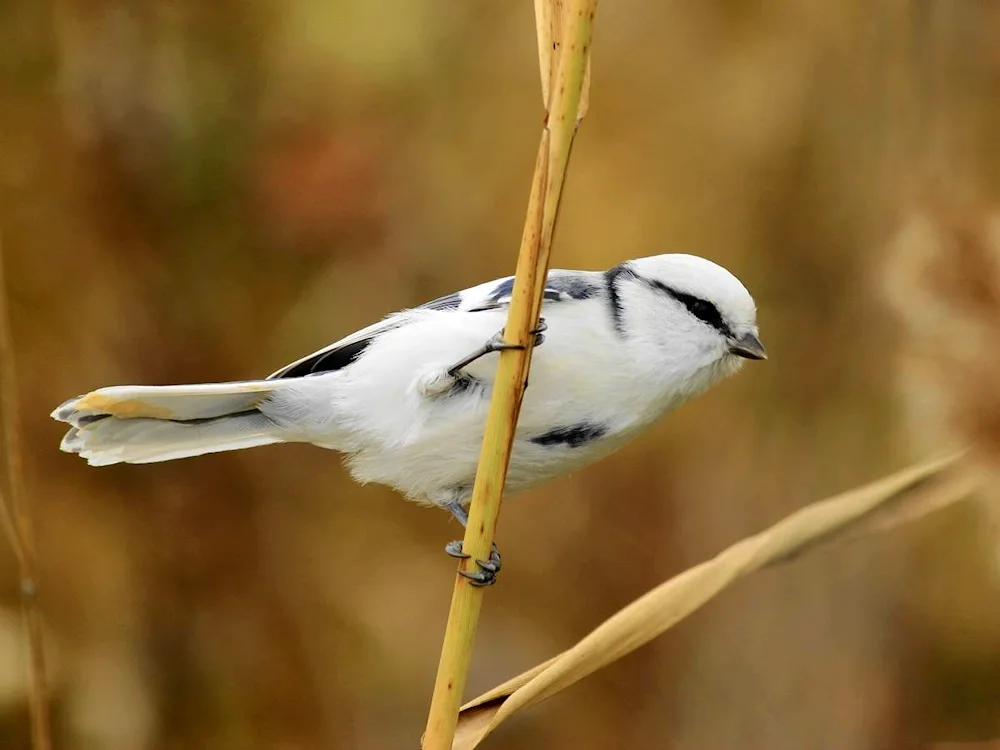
pixel 488 569
pixel 454 549
pixel 539 331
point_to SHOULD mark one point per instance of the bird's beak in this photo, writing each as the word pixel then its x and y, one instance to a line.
pixel 747 346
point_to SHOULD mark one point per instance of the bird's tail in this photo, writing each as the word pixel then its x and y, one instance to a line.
pixel 144 424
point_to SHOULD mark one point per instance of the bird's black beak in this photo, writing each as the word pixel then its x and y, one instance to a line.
pixel 747 346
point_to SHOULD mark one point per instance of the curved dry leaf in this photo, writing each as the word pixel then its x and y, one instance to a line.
pixel 875 507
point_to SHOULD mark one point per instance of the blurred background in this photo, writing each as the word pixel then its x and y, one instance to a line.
pixel 195 191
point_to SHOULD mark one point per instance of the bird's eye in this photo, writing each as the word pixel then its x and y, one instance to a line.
pixel 703 310
pixel 700 308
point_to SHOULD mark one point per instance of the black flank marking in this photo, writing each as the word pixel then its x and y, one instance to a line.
pixel 611 277
pixel 328 361
pixel 574 436
pixel 448 302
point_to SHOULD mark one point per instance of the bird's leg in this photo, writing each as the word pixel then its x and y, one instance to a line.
pixel 439 382
pixel 457 509
pixel 488 569
pixel 496 344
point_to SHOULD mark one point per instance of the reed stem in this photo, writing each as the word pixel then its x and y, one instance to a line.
pixel 564 28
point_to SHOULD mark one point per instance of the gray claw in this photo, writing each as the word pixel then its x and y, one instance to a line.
pixel 497 344
pixel 539 331
pixel 488 569
pixel 489 566
pixel 482 578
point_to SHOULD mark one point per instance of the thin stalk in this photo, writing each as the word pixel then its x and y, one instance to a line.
pixel 19 527
pixel 568 27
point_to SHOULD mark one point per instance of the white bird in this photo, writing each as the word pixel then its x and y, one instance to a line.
pixel 406 399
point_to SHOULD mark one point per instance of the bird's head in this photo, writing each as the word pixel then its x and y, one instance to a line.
pixel 695 313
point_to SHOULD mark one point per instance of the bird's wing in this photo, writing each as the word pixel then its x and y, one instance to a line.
pixel 561 286
pixel 339 354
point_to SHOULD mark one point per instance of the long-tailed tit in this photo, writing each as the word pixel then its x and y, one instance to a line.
pixel 406 399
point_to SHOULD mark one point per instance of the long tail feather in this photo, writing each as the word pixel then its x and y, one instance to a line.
pixel 178 402
pixel 144 424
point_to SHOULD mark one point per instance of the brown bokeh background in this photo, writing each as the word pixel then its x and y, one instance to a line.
pixel 195 191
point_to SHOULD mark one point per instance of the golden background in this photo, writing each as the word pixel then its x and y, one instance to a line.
pixel 195 191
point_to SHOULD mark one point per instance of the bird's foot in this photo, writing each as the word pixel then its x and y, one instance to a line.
pixel 497 344
pixel 488 569
pixel 539 331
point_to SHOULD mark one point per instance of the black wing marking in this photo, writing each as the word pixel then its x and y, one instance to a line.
pixel 340 353
pixel 448 302
pixel 560 286
pixel 574 285
pixel 325 360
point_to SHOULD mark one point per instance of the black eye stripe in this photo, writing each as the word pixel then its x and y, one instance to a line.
pixel 702 309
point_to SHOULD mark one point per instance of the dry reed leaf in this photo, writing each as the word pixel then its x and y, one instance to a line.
pixel 874 507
